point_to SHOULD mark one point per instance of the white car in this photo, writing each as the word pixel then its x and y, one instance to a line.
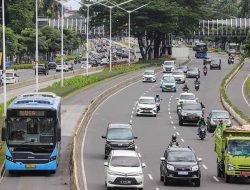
pixel 146 106
pixel 59 67
pixel 149 76
pixel 104 61
pixel 168 66
pixel 123 169
pixel 185 97
pixel 179 76
pixel 85 65
pixel 11 77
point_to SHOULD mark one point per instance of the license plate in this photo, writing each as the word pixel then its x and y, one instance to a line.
pixel 147 111
pixel 30 166
pixel 168 88
pixel 182 173
pixel 244 173
pixel 125 182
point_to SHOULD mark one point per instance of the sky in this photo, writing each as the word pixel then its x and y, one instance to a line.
pixel 73 4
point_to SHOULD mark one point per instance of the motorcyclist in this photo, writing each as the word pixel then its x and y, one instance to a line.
pixel 204 69
pixel 173 141
pixel 197 81
pixel 185 88
pixel 200 123
pixel 230 58
pixel 157 100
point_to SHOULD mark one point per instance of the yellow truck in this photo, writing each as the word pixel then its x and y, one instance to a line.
pixel 232 146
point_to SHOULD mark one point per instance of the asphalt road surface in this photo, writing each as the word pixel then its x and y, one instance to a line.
pixel 155 133
pixel 236 91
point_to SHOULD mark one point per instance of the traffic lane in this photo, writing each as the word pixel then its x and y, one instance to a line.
pixel 240 99
pixel 61 179
pixel 119 109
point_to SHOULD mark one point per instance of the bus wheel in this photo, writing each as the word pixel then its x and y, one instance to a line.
pixel 12 172
pixel 52 171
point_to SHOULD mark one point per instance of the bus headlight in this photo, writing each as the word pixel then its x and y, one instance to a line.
pixel 230 166
pixel 9 158
pixel 52 158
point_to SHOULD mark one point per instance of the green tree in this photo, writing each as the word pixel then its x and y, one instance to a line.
pixel 244 9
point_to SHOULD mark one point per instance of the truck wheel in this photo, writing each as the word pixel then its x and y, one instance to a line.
pixel 219 173
pixel 227 178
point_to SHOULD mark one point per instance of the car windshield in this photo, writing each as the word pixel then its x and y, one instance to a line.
pixel 220 115
pixel 147 101
pixel 187 97
pixel 168 63
pixel 35 131
pixel 119 134
pixel 239 147
pixel 125 161
pixel 191 107
pixel 181 156
pixel 149 73
pixel 168 79
pixel 9 74
pixel 177 73
pixel 193 69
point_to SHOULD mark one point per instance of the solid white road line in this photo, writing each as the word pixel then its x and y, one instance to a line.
pixel 150 176
pixel 86 130
pixel 216 179
pixel 204 166
pixel 242 90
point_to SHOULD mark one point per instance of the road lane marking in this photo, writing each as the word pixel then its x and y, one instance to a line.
pixel 86 130
pixel 242 90
pixel 204 166
pixel 157 188
pixel 131 116
pixel 139 155
pixel 174 127
pixel 172 122
pixel 131 121
pixel 168 109
pixel 178 133
pixel 170 117
pixel 136 146
pixel 168 105
pixel 132 112
pixel 169 102
pixel 182 140
pixel 169 113
pixel 133 108
pixel 150 176
pixel 216 179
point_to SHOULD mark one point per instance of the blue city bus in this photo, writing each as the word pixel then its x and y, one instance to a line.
pixel 32 132
pixel 201 50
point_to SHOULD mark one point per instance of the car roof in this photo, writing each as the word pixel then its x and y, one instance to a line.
pixel 149 71
pixel 119 125
pixel 124 153
pixel 147 97
pixel 186 93
pixel 180 149
pixel 222 111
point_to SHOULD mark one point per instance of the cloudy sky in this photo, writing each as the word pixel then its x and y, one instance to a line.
pixel 73 4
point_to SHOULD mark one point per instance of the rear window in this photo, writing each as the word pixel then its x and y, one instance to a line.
pixel 191 107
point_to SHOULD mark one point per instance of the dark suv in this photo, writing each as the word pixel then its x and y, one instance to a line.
pixel 42 69
pixel 180 164
pixel 119 137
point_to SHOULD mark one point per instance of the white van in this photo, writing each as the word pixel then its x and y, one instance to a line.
pixel 11 77
pixel 168 66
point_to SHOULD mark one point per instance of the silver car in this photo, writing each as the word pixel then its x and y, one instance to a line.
pixel 193 72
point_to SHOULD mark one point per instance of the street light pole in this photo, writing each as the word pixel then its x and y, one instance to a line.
pixel 62 45
pixel 36 46
pixel 4 64
pixel 87 69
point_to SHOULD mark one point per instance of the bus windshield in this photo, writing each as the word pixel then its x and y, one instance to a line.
pixel 201 47
pixel 31 131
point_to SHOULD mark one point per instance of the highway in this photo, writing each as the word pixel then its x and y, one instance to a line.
pixel 240 99
pixel 155 133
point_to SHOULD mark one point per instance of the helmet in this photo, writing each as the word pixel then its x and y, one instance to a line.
pixel 174 138
pixel 220 122
pixel 157 95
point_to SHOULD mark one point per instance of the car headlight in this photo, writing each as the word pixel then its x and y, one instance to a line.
pixel 195 168
pixel 110 172
pixel 170 167
pixel 230 166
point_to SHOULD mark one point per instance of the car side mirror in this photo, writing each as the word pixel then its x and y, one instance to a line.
pixel 135 137
pixel 106 164
pixel 58 134
pixel 143 165
pixel 162 158
pixel 104 137
pixel 199 159
pixel 3 134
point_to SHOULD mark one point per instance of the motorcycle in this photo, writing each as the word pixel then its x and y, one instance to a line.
pixel 185 89
pixel 230 60
pixel 158 106
pixel 202 132
pixel 205 72
pixel 197 85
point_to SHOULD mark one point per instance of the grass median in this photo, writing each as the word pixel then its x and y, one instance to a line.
pixel 80 81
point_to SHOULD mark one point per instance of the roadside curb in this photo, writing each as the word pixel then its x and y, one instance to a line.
pixel 225 104
pixel 80 129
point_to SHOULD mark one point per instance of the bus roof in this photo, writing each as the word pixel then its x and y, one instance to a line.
pixel 40 100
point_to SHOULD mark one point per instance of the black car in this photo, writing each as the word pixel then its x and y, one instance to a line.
pixel 119 137
pixel 42 69
pixel 52 65
pixel 180 164
pixel 190 113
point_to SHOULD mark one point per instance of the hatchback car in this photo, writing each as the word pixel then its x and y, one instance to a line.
pixel 146 106
pixel 124 170
pixel 119 137
pixel 193 72
pixel 180 164
pixel 168 83
pixel 179 76
pixel 149 76
pixel 214 118
pixel 42 69
pixel 59 68
pixel 215 64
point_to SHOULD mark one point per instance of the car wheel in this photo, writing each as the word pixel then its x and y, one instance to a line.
pixel 227 178
pixel 52 171
pixel 161 177
pixel 105 157
pixel 210 68
pixel 140 188
pixel 162 90
pixel 180 122
pixel 166 181
pixel 197 182
pixel 109 188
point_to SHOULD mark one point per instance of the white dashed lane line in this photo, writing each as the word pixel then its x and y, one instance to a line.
pixel 131 116
pixel 132 112
pixel 204 166
pixel 170 117
pixel 130 121
pixel 174 127
pixel 133 108
pixel 169 113
pixel 157 188
pixel 216 179
pixel 182 140
pixel 178 133
pixel 150 176
pixel 172 122
pixel 168 105
pixel 168 109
